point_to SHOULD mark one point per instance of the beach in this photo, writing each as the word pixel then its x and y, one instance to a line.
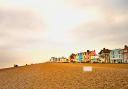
pixel 65 76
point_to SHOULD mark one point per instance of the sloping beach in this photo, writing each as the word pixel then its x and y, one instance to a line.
pixel 65 76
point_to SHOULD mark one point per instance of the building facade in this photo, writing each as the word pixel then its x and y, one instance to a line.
pixel 59 59
pixel 116 56
pixel 83 56
pixel 72 57
pixel 80 57
pixel 125 54
pixel 104 56
pixel 88 58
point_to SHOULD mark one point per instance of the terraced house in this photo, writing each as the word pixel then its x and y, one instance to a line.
pixel 125 54
pixel 93 56
pixel 104 55
pixel 59 59
pixel 73 58
pixel 81 57
pixel 116 56
pixel 89 56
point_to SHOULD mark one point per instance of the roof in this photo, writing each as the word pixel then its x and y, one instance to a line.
pixel 104 51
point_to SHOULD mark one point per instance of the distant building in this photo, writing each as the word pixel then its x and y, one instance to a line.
pixel 95 60
pixel 59 59
pixel 72 57
pixel 53 59
pixel 83 56
pixel 80 57
pixel 92 55
pixel 64 59
pixel 104 55
pixel 88 57
pixel 125 54
pixel 116 56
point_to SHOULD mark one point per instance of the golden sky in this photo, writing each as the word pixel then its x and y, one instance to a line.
pixel 34 30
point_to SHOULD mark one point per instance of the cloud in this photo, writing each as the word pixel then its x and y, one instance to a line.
pixel 37 29
pixel 20 31
pixel 110 30
pixel 18 26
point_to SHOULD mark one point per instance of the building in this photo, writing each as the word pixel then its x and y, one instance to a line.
pixel 84 56
pixel 59 59
pixel 80 57
pixel 88 58
pixel 95 60
pixel 125 54
pixel 72 57
pixel 93 56
pixel 116 56
pixel 53 59
pixel 64 59
pixel 104 55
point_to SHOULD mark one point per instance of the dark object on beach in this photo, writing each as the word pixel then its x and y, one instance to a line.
pixel 15 65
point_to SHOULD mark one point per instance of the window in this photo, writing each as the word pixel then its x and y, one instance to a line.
pixel 125 50
pixel 119 52
pixel 113 56
pixel 113 52
pixel 125 56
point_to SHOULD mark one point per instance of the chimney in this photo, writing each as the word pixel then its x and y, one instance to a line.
pixel 125 46
pixel 87 50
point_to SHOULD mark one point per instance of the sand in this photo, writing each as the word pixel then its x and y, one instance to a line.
pixel 65 76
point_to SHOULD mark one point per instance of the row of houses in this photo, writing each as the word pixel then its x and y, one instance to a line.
pixel 114 56
pixel 88 56
pixel 104 56
pixel 59 59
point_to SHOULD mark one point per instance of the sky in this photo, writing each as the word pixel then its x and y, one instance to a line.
pixel 32 31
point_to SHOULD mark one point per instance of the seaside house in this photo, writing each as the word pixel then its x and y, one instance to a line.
pixel 90 56
pixel 93 56
pixel 59 59
pixel 87 56
pixel 53 59
pixel 125 54
pixel 72 57
pixel 63 59
pixel 84 56
pixel 77 58
pixel 116 56
pixel 80 57
pixel 104 55
pixel 95 60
